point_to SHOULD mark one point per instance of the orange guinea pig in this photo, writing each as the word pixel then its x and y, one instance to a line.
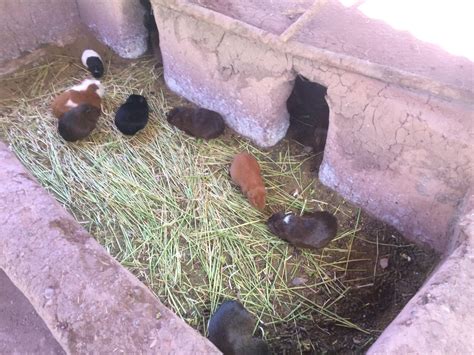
pixel 245 172
pixel 90 92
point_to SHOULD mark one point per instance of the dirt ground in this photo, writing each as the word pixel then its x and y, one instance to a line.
pixel 385 270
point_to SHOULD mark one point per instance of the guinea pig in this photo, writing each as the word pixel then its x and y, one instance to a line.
pixel 312 230
pixel 132 116
pixel 245 172
pixel 231 329
pixel 309 114
pixel 197 122
pixel 92 60
pixel 89 92
pixel 78 122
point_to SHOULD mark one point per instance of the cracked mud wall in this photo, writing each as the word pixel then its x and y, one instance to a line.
pixel 89 302
pixel 247 82
pixel 26 24
pixel 404 156
pixel 118 24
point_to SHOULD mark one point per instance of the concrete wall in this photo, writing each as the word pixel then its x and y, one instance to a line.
pixel 89 302
pixel 399 143
pixel 118 24
pixel 26 24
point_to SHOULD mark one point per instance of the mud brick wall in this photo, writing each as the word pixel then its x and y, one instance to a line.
pixel 25 25
pixel 399 143
pixel 89 302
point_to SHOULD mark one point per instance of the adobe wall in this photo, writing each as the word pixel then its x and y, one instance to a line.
pixel 89 302
pixel 399 143
pixel 26 25
pixel 246 81
pixel 118 24
pixel 404 156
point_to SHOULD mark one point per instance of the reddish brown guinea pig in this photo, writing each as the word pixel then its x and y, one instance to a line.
pixel 245 172
pixel 89 92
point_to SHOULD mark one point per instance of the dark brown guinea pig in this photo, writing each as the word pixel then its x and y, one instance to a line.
pixel 197 122
pixel 78 122
pixel 231 329
pixel 312 230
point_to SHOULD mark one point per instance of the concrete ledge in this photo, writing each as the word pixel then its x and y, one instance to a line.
pixel 323 57
pixel 25 25
pixel 90 303
pixel 118 24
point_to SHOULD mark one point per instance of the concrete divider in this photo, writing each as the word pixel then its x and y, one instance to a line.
pixel 89 302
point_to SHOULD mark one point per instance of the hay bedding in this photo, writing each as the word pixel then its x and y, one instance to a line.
pixel 163 205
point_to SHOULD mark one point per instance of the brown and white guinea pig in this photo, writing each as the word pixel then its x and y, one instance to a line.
pixel 312 230
pixel 79 122
pixel 93 62
pixel 231 331
pixel 90 92
pixel 197 122
pixel 245 172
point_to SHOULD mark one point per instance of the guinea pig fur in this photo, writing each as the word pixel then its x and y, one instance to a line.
pixel 312 230
pixel 78 122
pixel 197 122
pixel 90 92
pixel 132 116
pixel 245 172
pixel 231 328
pixel 92 60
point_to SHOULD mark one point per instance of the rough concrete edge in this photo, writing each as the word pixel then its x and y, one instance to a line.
pixel 130 46
pixel 439 318
pixel 157 327
pixel 254 134
pixel 322 56
pixel 27 57
pixel 10 66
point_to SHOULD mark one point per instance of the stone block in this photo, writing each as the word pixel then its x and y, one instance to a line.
pixel 119 24
pixel 25 25
pixel 245 81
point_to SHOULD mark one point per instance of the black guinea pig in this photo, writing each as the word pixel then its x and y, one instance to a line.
pixel 312 230
pixel 92 60
pixel 231 328
pixel 197 122
pixel 78 122
pixel 132 116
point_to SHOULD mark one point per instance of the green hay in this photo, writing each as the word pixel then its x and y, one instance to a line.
pixel 163 205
